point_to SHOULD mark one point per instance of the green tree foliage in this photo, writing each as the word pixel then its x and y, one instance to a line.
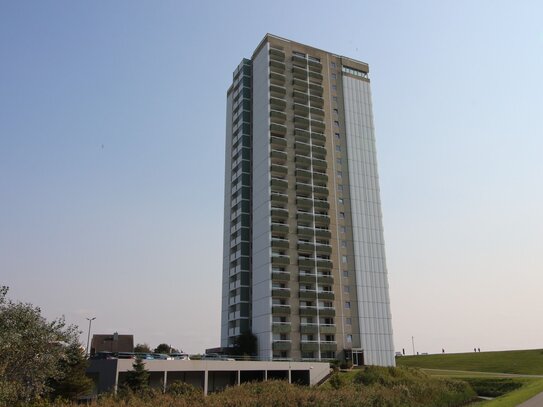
pixel 163 348
pixel 142 348
pixel 137 379
pixel 30 350
pixel 73 383
pixel 245 344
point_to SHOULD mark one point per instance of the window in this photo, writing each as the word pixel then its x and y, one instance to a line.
pixel 338 161
pixel 344 259
pixel 349 321
pixel 340 201
pixel 343 243
pixel 340 188
pixel 347 304
pixel 334 88
pixel 342 215
pixel 333 76
pixel 334 98
pixel 338 136
pixel 336 123
pixel 338 147
pixel 343 229
pixel 339 174
pixel 333 64
pixel 346 289
pixel 349 338
pixel 345 273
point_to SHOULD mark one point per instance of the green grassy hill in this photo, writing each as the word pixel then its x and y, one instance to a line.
pixel 516 361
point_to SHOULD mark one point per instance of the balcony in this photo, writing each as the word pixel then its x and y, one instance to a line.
pixel 298 60
pixel 278 128
pixel 299 73
pixel 327 312
pixel 307 278
pixel 303 175
pixel 277 54
pixel 326 295
pixel 304 203
pixel 319 152
pixel 280 214
pixel 302 161
pixel 278 170
pixel 280 276
pixel 327 328
pixel 316 101
pixel 306 217
pixel 315 75
pixel 278 260
pixel 322 233
pixel 317 113
pixel 281 309
pixel 302 135
pixel 305 232
pixel 280 228
pixel 277 78
pixel 279 243
pixel 303 188
pixel 301 110
pixel 306 247
pixel 281 292
pixel 320 177
pixel 316 89
pixel 318 125
pixel 320 164
pixel 277 66
pixel 328 346
pixel 278 185
pixel 299 97
pixel 278 143
pixel 278 157
pixel 301 122
pixel 305 262
pixel 322 219
pixel 302 147
pixel 278 117
pixel 278 91
pixel 321 249
pixel 320 192
pixel 279 199
pixel 308 346
pixel 309 328
pixel 307 294
pixel 325 279
pixel 281 345
pixel 308 311
pixel 300 85
pixel 278 104
pixel 281 327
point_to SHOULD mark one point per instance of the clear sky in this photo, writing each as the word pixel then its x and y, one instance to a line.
pixel 112 121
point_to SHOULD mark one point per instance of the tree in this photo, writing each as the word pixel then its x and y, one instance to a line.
pixel 73 383
pixel 138 378
pixel 142 348
pixel 163 348
pixel 30 350
pixel 245 344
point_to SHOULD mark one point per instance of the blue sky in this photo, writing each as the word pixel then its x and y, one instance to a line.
pixel 112 118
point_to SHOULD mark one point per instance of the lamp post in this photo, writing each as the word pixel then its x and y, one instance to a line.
pixel 88 336
pixel 413 342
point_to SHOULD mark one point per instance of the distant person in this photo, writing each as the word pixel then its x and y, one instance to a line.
pixel 442 350
pixel 475 349
pixel 479 350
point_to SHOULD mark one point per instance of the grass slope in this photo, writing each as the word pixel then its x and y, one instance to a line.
pixel 516 361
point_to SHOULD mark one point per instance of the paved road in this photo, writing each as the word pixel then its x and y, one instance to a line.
pixel 536 401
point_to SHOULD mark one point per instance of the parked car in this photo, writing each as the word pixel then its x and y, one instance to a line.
pixel 144 356
pixel 161 356
pixel 103 355
pixel 125 355
pixel 180 356
pixel 215 356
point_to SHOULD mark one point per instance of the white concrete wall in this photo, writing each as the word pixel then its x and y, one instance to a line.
pixel 369 251
pixel 261 247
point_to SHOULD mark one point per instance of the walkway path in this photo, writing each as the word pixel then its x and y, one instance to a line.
pixel 536 401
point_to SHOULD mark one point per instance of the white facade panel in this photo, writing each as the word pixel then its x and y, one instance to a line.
pixel 369 258
pixel 261 293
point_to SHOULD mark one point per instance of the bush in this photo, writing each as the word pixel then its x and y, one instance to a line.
pixel 492 387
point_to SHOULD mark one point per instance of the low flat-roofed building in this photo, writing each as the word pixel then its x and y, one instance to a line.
pixel 209 375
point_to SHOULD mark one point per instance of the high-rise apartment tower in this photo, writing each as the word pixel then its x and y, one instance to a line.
pixel 304 258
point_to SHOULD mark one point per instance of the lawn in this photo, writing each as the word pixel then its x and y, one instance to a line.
pixel 529 362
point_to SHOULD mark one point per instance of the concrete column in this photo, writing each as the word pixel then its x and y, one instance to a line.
pixel 289 375
pixel 165 380
pixel 265 375
pixel 239 377
pixel 206 381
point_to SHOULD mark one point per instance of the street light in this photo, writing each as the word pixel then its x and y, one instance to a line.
pixel 88 336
